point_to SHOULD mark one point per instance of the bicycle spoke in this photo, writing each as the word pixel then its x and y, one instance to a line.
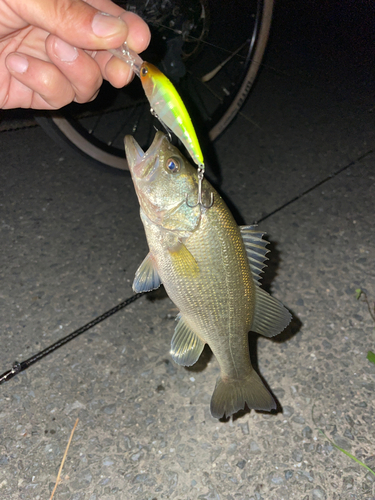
pixel 92 129
pixel 122 126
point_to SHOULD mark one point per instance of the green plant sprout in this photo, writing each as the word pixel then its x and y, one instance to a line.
pixel 338 447
pixel 348 454
pixel 358 294
pixel 371 357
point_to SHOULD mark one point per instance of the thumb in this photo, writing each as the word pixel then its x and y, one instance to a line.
pixel 74 21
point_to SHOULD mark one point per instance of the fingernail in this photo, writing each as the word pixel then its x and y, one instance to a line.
pixel 64 51
pixel 17 63
pixel 104 25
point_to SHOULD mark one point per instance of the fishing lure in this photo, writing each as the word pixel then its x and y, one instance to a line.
pixel 168 107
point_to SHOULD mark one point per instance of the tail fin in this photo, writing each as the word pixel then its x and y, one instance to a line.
pixel 231 396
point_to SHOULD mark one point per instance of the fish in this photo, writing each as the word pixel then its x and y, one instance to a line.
pixel 210 268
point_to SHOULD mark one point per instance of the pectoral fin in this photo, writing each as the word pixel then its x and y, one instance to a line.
pixel 186 346
pixel 146 277
pixel 270 316
pixel 183 260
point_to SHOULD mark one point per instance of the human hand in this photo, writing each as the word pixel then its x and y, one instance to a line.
pixel 53 52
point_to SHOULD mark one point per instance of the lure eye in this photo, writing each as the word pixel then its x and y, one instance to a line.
pixel 173 165
pixel 144 71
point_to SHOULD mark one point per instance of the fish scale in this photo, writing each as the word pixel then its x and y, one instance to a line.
pixel 210 269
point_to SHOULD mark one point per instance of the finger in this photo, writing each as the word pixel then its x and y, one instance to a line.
pixel 118 73
pixel 78 67
pixel 139 33
pixel 36 83
pixel 75 22
pixel 113 69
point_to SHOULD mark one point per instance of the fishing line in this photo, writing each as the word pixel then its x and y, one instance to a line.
pixel 19 367
pixel 326 179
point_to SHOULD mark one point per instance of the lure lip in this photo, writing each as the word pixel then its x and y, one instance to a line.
pixel 129 56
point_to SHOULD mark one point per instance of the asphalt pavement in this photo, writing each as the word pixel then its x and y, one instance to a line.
pixel 300 159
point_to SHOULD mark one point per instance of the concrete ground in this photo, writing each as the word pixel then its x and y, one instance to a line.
pixel 71 241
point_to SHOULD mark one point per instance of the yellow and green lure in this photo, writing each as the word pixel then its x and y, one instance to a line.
pixel 169 109
pixel 167 106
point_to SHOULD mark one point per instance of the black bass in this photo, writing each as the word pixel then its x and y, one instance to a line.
pixel 210 269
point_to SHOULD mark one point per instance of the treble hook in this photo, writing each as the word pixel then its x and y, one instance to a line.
pixel 200 200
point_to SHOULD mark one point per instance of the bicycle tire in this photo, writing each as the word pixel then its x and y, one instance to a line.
pixel 66 130
pixel 248 82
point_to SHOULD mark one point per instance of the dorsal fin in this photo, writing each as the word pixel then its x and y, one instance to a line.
pixel 256 250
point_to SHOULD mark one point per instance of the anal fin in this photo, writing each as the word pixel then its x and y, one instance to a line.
pixel 186 346
pixel 146 278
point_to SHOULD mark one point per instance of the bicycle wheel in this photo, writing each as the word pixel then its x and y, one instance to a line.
pixel 210 49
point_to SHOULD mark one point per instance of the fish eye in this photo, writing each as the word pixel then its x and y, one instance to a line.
pixel 144 71
pixel 173 164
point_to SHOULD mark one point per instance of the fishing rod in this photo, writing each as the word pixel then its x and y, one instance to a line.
pixel 19 367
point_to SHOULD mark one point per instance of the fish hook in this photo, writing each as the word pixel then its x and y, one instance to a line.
pixel 200 200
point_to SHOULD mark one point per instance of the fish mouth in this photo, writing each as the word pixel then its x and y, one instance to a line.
pixel 143 164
